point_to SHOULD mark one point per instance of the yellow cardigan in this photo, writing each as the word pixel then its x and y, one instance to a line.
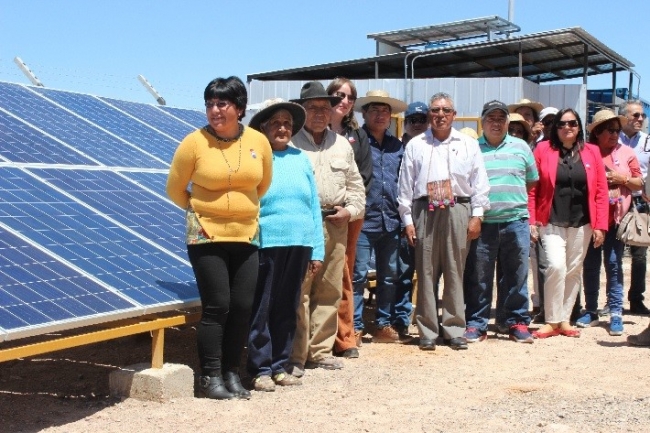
pixel 226 204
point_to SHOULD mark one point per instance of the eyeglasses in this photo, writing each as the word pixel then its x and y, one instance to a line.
pixel 446 110
pixel 414 120
pixel 641 115
pixel 612 130
pixel 345 95
pixel 219 104
pixel 570 123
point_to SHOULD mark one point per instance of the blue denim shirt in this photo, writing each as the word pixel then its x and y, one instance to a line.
pixel 381 201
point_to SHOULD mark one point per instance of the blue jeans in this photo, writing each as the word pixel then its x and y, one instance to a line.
pixel 404 289
pixel 505 245
pixel 386 247
pixel 611 254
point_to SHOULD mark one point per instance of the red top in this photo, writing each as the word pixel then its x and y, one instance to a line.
pixel 540 198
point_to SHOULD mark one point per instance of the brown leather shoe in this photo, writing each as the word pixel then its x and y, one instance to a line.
pixel 387 334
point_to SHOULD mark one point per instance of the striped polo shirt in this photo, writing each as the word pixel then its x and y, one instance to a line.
pixel 510 166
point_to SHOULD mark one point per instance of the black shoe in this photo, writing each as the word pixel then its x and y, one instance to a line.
pixel 233 384
pixel 638 308
pixel 427 345
pixel 352 352
pixel 457 343
pixel 539 317
pixel 213 387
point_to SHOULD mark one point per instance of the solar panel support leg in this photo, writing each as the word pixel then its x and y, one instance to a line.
pixel 157 347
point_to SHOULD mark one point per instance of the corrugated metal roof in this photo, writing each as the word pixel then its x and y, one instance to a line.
pixel 546 56
pixel 448 32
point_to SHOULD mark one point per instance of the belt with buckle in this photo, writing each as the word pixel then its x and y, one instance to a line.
pixel 456 199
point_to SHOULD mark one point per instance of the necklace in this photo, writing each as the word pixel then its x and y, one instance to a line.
pixel 223 154
pixel 213 133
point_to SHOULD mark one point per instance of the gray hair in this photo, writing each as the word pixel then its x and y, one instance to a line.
pixel 622 108
pixel 442 95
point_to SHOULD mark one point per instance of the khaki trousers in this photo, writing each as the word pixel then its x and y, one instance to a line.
pixel 441 249
pixel 319 301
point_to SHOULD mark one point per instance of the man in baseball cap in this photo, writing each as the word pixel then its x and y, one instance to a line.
pixel 416 120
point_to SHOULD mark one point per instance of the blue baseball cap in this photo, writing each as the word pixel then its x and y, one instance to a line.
pixel 416 108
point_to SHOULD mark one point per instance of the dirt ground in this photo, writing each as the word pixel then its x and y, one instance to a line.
pixel 596 383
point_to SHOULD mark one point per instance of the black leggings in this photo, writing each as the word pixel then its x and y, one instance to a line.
pixel 226 275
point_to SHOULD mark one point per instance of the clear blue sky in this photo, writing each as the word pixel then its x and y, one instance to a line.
pixel 99 47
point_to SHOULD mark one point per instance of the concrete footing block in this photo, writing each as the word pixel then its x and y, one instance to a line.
pixel 155 384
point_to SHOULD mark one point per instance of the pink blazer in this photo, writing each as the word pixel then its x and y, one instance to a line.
pixel 540 198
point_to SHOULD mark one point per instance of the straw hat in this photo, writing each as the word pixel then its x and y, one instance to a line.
pixel 603 116
pixel 536 106
pixel 381 97
pixel 271 106
pixel 469 131
pixel 516 117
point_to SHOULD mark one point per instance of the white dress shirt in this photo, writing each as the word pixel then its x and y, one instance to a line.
pixel 641 145
pixel 426 159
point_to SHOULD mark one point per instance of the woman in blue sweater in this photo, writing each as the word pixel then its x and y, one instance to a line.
pixel 291 244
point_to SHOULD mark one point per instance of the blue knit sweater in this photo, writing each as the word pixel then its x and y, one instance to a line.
pixel 290 210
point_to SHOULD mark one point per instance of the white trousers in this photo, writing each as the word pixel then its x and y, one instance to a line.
pixel 566 248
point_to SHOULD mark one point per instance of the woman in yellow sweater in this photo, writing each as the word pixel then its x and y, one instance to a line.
pixel 227 167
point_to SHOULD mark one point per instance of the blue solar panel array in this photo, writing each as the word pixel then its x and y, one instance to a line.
pixel 87 234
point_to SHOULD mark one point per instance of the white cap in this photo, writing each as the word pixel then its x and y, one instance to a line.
pixel 546 111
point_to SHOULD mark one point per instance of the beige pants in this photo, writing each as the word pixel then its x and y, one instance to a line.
pixel 566 248
pixel 319 300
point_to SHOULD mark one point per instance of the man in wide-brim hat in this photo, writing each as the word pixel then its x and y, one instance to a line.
pixel 342 198
pixel 381 227
pixel 529 110
pixel 380 97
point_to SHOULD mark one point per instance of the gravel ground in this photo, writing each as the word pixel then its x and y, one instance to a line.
pixel 596 383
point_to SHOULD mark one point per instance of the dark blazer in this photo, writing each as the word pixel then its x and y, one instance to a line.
pixel 540 198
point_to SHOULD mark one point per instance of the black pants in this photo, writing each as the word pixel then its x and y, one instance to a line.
pixel 226 274
pixel 273 322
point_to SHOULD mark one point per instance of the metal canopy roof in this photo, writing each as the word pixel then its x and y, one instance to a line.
pixel 449 32
pixel 546 56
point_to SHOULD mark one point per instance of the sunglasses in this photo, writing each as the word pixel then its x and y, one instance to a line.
pixel 641 115
pixel 570 123
pixel 446 110
pixel 612 130
pixel 345 95
pixel 219 104
pixel 414 120
pixel 548 122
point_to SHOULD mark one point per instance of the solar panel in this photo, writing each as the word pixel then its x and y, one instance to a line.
pixel 87 233
pixel 192 117
pixel 115 121
pixel 155 117
pixel 23 143
pixel 73 130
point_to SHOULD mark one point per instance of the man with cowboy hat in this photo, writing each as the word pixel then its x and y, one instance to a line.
pixel 529 110
pixel 342 198
pixel 381 228
pixel 505 233
pixel 443 192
